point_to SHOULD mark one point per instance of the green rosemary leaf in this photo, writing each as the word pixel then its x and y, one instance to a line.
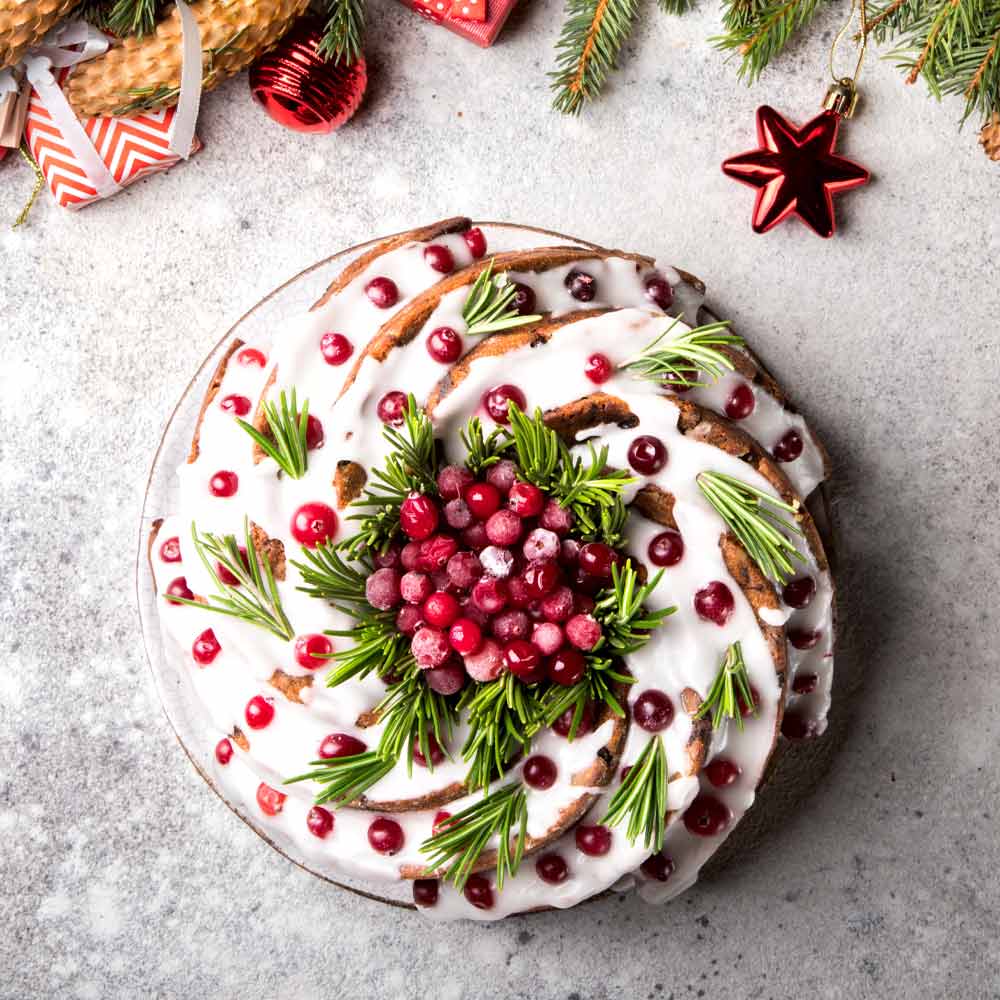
pixel 345 779
pixel 490 306
pixel 625 622
pixel 286 443
pixel 376 646
pixel 729 691
pixel 678 359
pixel 641 798
pixel 329 577
pixel 482 450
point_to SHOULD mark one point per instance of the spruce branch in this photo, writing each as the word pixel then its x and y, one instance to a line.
pixel 676 359
pixel 286 442
pixel 133 17
pixel 730 691
pixel 641 798
pixel 343 34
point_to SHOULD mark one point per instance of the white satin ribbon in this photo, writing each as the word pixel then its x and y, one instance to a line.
pixel 8 85
pixel 189 99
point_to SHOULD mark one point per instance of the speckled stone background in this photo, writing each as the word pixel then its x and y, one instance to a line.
pixel 124 876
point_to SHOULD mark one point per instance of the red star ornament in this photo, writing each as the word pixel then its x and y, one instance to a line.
pixel 795 171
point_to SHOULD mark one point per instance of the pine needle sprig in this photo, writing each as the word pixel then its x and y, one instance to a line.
pixel 730 691
pixel 329 577
pixel 376 646
pixel 490 306
pixel 605 523
pixel 757 519
pixel 588 48
pixel 596 687
pixel 626 624
pixel 676 359
pixel 641 798
pixel 254 597
pixel 483 450
pixel 288 426
pixel 345 779
pixel 133 17
pixel 676 7
pixel 502 814
pixel 344 31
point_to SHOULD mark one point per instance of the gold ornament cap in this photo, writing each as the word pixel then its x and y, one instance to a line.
pixel 841 98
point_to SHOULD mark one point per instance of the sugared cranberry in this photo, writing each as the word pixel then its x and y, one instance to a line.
pixel 569 552
pixel 319 821
pixel 522 660
pixel 440 609
pixel 583 631
pixel 525 500
pixel 382 292
pixel 707 816
pixel 415 587
pixel 439 258
pixel 475 241
pixel 452 481
pixel 436 551
pixel 798 593
pixel 313 651
pixel 722 772
pixel 552 868
pixel 418 517
pixel 598 368
pixel 583 604
pixel 741 402
pixel 504 528
pixel 457 514
pixel 804 638
pixel 223 483
pixel 510 625
pixel 788 447
pixel 238 406
pixel 541 578
pixel 659 291
pixel 259 712
pixel 270 800
pixel 653 710
pixel 483 500
pixel 388 559
pixel 554 518
pixel 547 638
pixel 563 725
pixel 447 679
pixel 479 892
pixel 540 772
pixel 409 556
pixel 314 433
pixel 496 399
pixel 657 867
pixel 582 286
pixel 524 299
pixel 341 745
pixel 430 648
pixel 425 891
pixel 465 636
pixel 437 754
pixel 518 593
pixel 714 602
pixel 647 454
pixel 385 836
pixel 805 683
pixel 797 726
pixel 223 751
pixel 666 548
pixel 566 667
pixel 382 590
pixel 441 818
pixel 335 348
pixel 409 618
pixel 170 550
pixel 444 345
pixel 486 663
pixel 179 588
pixel 502 475
pixel 250 357
pixel 464 569
pixel 205 648
pixel 313 524
pixel 596 559
pixel 391 408
pixel 557 606
pixel 593 840
pixel 489 595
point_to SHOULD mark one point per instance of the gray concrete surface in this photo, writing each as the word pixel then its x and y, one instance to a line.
pixel 123 876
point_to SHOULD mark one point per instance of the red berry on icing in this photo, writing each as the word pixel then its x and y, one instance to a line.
pixel 425 891
pixel 566 667
pixel 496 399
pixel 596 559
pixel 444 345
pixel 205 648
pixel 430 647
pixel 659 291
pixel 486 663
pixel 319 821
pixel 510 625
pixel 666 548
pixel 452 481
pixel 582 286
pixel 788 447
pixel 238 406
pixel 522 660
pixel 547 638
pixel 552 868
pixel 179 588
pixel 440 609
pixel 740 403
pixel 503 528
pixel 714 602
pixel 524 299
pixel 593 840
pixel 223 751
pixel 564 723
pixel 525 500
pixel 805 683
pixel 479 892
pixel 465 636
pixel 441 818
pixel 464 569
pixel 489 595
pixel 335 348
pixel 583 631
pixel 314 433
pixel 540 772
pixel 391 408
pixel 722 772
pixel 170 550
pixel 707 816
pixel 657 867
pixel 223 484
pixel 598 368
pixel 447 679
pixel 475 241
pixel 313 524
pixel 341 745
pixel 483 500
pixel 439 258
pixel 798 593
pixel 385 836
pixel 797 726
pixel 382 292
pixel 502 475
pixel 418 517
pixel 311 650
pixel 804 638
pixel 270 800
pixel 653 710
pixel 250 357
pixel 437 754
pixel 259 712
pixel 647 454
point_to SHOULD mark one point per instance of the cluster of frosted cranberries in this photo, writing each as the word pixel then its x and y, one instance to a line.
pixel 491 580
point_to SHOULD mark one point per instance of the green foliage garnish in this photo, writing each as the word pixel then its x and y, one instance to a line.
pixel 376 646
pixel 642 797
pixel 626 623
pixel 490 306
pixel 329 577
pixel 482 450
pixel 344 31
pixel 678 359
pixel 730 688
pixel 286 443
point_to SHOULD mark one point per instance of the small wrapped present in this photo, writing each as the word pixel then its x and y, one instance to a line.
pixel 479 21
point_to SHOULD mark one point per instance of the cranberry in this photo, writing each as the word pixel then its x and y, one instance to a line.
pixel 483 500
pixel 510 625
pixel 653 710
pixel 788 447
pixel 582 286
pixel 796 726
pixel 555 518
pixel 382 589
pixel 425 891
pixel 541 578
pixel 707 816
pixel 341 745
pixel 540 772
pixel 596 559
pixel 598 368
pixel 230 579
pixel 682 379
pixel 745 709
pixel 437 754
pixel 312 651
pixel 489 595
pixel 223 751
pixel 415 587
pixel 335 348
pixel 452 481
pixel 803 638
pixel 523 660
pixel 440 823
pixel 714 602
pixel 313 524
pixel 439 258
pixel 547 638
pixel 391 408
pixel 382 292
pixel 583 631
pixel 385 836
pixel 805 683
pixel 238 406
pixel 564 723
pixel 722 772
pixel 223 484
pixel 457 514
pixel 569 551
pixel 259 712
pixel 409 556
pixel 270 800
pixel 418 517
pixel 464 569
pixel 170 550
pixel 179 588
pixel 435 552
pixel 319 821
pixel 440 609
pixel 583 604
pixel 496 399
pixel 659 291
pixel 475 241
pixel 250 357
pixel 503 528
pixel 486 664
pixel 798 593
pixel 557 606
pixel 518 593
pixel 525 500
pixel 314 433
pixel 567 667
pixel 502 475
pixel 666 549
pixel 647 454
pixel 465 636
pixel 387 559
pixel 447 679
pixel 430 648
pixel 524 299
pixel 206 648
pixel 409 618
pixel 657 867
pixel 593 840
pixel 479 892
pixel 552 868
pixel 444 345
pixel 741 402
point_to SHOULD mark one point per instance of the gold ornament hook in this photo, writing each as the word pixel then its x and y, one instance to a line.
pixel 842 97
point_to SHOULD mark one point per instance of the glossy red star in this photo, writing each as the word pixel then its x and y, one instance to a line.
pixel 795 171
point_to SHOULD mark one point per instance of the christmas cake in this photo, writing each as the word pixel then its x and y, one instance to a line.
pixel 496 577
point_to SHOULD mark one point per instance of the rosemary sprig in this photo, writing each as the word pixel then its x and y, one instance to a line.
pixel 674 360
pixel 376 646
pixel 755 518
pixel 254 597
pixel 286 443
pixel 482 450
pixel 625 622
pixel 490 305
pixel 730 687
pixel 642 797
pixel 329 577
pixel 344 31
pixel 466 836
